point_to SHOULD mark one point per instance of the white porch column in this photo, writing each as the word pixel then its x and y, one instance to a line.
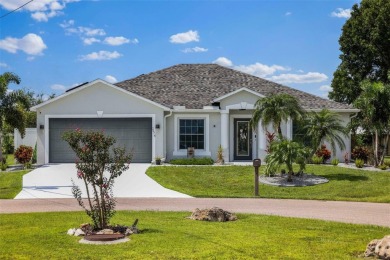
pixel 261 136
pixel 225 134
pixel 289 128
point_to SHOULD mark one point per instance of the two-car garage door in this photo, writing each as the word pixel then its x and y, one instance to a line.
pixel 133 133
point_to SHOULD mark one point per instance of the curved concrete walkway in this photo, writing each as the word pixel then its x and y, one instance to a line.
pixel 340 211
pixel 55 181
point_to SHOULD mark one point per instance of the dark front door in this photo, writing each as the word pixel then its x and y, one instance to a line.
pixel 242 139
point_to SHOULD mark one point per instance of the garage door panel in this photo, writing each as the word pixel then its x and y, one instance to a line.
pixel 135 134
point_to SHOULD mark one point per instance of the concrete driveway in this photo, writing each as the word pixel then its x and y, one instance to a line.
pixel 55 181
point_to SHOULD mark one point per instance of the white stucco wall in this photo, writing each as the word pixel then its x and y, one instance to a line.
pixel 29 139
pixel 98 97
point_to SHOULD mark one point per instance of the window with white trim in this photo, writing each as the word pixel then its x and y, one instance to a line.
pixel 192 133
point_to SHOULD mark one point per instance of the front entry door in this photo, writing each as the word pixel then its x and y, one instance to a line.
pixel 242 139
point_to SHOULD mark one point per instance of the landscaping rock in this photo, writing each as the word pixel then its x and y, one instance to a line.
pixel 86 228
pixel 71 231
pixel 79 232
pixel 382 249
pixel 213 214
pixel 379 248
pixel 105 232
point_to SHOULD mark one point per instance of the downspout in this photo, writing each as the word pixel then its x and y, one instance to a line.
pixel 166 132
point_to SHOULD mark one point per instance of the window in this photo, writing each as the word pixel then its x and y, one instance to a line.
pixel 191 133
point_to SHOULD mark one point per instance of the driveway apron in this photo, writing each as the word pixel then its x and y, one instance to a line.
pixel 55 181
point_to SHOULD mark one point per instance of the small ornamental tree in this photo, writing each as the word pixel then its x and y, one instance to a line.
pixel 23 154
pixel 98 165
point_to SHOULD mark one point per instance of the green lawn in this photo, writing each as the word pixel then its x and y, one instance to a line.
pixel 11 183
pixel 10 159
pixel 169 235
pixel 237 181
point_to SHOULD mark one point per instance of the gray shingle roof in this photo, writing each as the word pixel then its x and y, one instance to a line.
pixel 196 85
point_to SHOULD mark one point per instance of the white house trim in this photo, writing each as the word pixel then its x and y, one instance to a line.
pixel 34 108
pixel 351 110
pixel 240 106
pixel 181 152
pixel 237 91
pixel 47 117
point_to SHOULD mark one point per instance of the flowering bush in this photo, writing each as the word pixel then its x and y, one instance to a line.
pixel 270 138
pixel 23 154
pixel 98 166
pixel 360 152
pixel 324 153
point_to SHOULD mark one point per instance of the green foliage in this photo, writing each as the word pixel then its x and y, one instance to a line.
pixel 383 167
pixel 334 161
pixel 285 152
pixel 360 152
pixel 365 49
pixel 345 184
pixel 170 235
pixel 8 143
pixel 276 108
pixel 359 163
pixel 325 126
pixel 94 158
pixel 220 158
pixel 387 162
pixel 192 161
pixel 317 159
pixel 23 154
pixel 3 166
pixel 34 158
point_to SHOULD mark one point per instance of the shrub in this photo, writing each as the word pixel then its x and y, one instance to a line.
pixel 387 162
pixel 3 166
pixel 382 167
pixel 192 161
pixel 360 152
pixel 220 158
pixel 335 162
pixel 317 159
pixel 359 163
pixel 8 144
pixel 23 154
pixel 324 153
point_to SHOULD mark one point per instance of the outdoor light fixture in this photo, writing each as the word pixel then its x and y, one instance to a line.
pixel 157 126
pixel 41 127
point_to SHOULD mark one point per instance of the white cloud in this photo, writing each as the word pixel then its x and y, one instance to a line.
pixel 223 62
pixel 194 49
pixel 115 41
pixel 288 13
pixel 89 41
pixel 4 65
pixel 190 36
pixel 326 88
pixel 341 13
pixel 58 87
pixel 66 24
pixel 91 32
pixel 101 55
pixel 110 79
pixel 41 10
pixel 260 70
pixel 310 77
pixel 31 44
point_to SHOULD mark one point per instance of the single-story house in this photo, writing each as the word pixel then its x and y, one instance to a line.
pixel 162 113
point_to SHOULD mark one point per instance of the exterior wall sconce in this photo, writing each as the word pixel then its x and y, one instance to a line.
pixel 157 126
pixel 41 127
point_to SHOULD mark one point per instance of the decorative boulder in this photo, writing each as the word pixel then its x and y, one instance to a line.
pixel 71 231
pixel 379 248
pixel 213 214
pixel 105 232
pixel 79 232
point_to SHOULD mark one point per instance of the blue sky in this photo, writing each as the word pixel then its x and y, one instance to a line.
pixel 56 44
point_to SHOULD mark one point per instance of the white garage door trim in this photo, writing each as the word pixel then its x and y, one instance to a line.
pixel 99 115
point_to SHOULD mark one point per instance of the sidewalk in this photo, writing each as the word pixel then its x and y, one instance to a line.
pixel 340 211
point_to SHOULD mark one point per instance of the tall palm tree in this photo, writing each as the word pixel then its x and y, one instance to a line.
pixel 13 106
pixel 325 126
pixel 275 109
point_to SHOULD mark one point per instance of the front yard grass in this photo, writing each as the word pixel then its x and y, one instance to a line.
pixel 237 182
pixel 11 183
pixel 169 235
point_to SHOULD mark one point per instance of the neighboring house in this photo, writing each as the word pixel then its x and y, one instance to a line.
pixel 165 112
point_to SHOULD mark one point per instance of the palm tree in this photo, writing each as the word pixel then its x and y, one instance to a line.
pixel 325 126
pixel 275 109
pixel 13 106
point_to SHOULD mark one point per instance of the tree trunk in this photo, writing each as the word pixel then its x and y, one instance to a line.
pixel 376 149
pixel 382 159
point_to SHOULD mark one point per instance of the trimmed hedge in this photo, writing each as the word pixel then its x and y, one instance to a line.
pixel 192 161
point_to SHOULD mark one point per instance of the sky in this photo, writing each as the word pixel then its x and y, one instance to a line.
pixel 54 45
